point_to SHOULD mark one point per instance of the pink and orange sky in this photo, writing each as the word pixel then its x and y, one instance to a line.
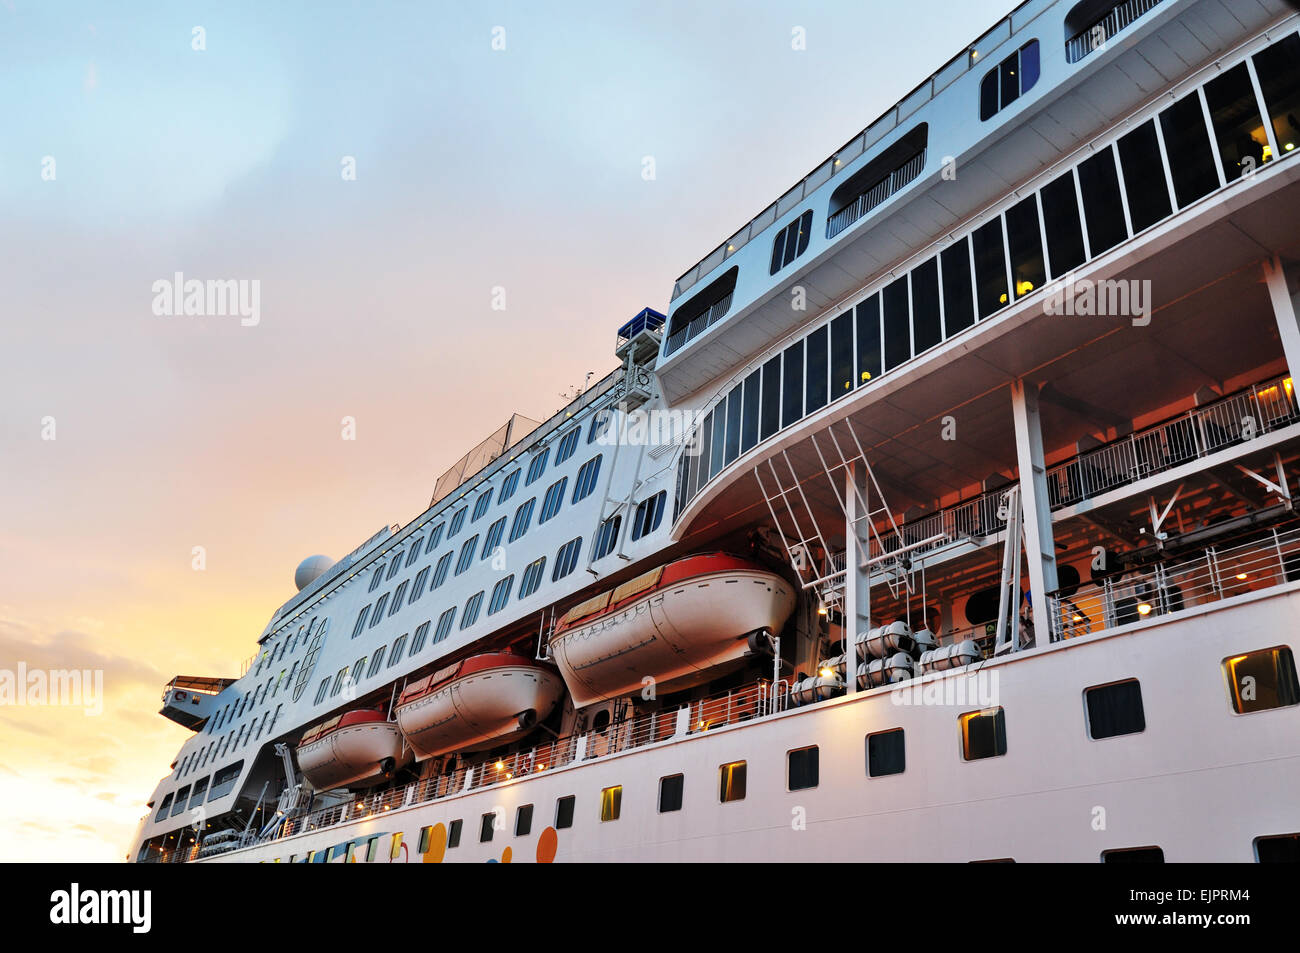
pixel 519 168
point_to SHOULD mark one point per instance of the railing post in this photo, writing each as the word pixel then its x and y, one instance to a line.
pixel 1281 562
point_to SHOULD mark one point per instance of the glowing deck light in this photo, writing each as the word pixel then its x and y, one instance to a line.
pixel 1144 608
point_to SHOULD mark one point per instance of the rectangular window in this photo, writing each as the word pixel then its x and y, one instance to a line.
pixel 733 423
pixel 553 499
pixel 792 394
pixel 731 781
pixel 457 521
pixel 1278 68
pixel 606 538
pixel 396 655
pixel 898 331
pixel 802 768
pixel 1144 177
pixel 486 826
pixel 718 443
pixel 523 820
pixel 421 634
pixel 958 299
pixel 469 615
pixel 770 413
pixel 444 625
pixel 424 840
pixel 1278 849
pixel 511 482
pixel 749 424
pixel 1025 243
pixel 868 339
pixel 670 793
pixel 395 851
pixel 842 355
pixel 564 812
pixel 1262 680
pixel 1188 146
pixel 523 515
pixel 1115 709
pixel 372 850
pixel 886 753
pixel 440 570
pixel 1133 855
pixel 584 484
pixel 466 554
pixel 492 539
pixel 990 267
pixel 453 833
pixel 1102 206
pixel 706 447
pixel 398 596
pixel 611 802
pixel 818 368
pixel 926 328
pixel 1238 127
pixel 983 734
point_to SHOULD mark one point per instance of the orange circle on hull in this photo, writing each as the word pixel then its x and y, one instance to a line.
pixel 437 845
pixel 546 845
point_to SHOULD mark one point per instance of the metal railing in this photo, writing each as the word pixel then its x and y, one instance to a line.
pixel 876 195
pixel 1211 576
pixel 1096 36
pixel 698 325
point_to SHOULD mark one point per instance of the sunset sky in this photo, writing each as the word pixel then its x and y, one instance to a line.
pixel 475 168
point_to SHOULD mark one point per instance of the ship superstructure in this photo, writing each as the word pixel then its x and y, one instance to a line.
pixel 976 518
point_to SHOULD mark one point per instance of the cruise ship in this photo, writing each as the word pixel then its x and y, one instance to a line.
pixel 946 513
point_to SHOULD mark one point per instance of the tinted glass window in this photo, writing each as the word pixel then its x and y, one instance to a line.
pixel 1025 242
pixel 792 394
pixel 958 299
pixel 842 355
pixel 1102 206
pixel 1238 127
pixel 770 412
pixel 1262 680
pixel 564 812
pixel 983 734
pixel 926 332
pixel 1188 147
pixel 886 753
pixel 1278 68
pixel 815 391
pixel 990 267
pixel 1115 710
pixel 802 769
pixel 749 428
pixel 898 331
pixel 733 423
pixel 670 793
pixel 1061 222
pixel 868 339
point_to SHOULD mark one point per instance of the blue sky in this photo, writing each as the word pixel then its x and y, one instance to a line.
pixel 476 168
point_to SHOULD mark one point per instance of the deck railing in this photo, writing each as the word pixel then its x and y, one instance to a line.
pixel 876 195
pixel 698 325
pixel 1098 34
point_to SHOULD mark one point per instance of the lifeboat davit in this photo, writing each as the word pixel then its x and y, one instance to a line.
pixel 355 749
pixel 675 624
pixel 479 702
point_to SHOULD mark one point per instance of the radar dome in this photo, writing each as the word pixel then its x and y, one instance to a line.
pixel 311 569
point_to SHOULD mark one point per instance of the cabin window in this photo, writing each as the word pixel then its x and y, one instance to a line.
pixel 372 851
pixel 376 579
pixel 1114 709
pixel 537 467
pixel 815 396
pixel 440 570
pixel 706 448
pixel 378 614
pixel 841 359
pixel 376 661
pixel 983 734
pixel 927 329
pixel 339 679
pixel 718 445
pixel 731 781
pixel 1278 69
pixel 524 819
pixel 508 486
pixel 1188 145
pixel 361 622
pixel 320 692
pixel 958 297
pixel 1133 855
pixel 421 578
pixel 566 559
pixel 606 538
pixel 1061 223
pixel 886 753
pixel 481 504
pixel 1144 177
pixel 791 242
pixel 599 425
pixel 649 514
pixel 453 832
pixel 358 667
pixel 749 420
pixel 532 577
pixel 162 810
pixel 568 444
pixel 1238 127
pixel 733 423
pixel 418 640
pixel 1025 244
pixel 802 768
pixel 869 353
pixel 770 401
pixel 501 594
pixel 990 267
pixel 414 554
pixel 444 625
pixel 486 827
pixel 792 393
pixel 1278 849
pixel 434 538
pixel 898 331
pixel 395 851
pixel 396 655
pixel 611 802
pixel 1009 80
pixel 1103 208
pixel 551 502
pixel 469 615
pixel 564 812
pixel 523 516
pixel 466 554
pixel 423 847
pixel 1262 680
pixel 492 539
pixel 457 521
pixel 398 596
pixel 395 566
pixel 584 484
pixel 670 793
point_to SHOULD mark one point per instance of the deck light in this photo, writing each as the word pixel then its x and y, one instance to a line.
pixel 1144 608
pixel 1289 147
pixel 825 673
pixel 1242 575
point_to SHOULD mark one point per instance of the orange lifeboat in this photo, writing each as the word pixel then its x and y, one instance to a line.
pixel 479 702
pixel 355 749
pixel 675 624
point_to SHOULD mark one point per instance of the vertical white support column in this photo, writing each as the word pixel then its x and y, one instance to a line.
pixel 1285 306
pixel 1040 545
pixel 857 580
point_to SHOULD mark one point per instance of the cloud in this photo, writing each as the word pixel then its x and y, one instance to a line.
pixel 70 649
pixel 92 79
